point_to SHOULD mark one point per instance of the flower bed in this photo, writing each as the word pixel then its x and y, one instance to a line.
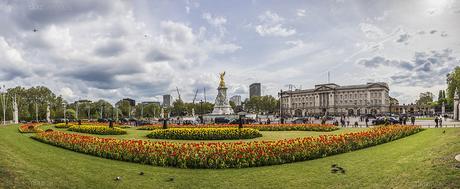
pixel 99 130
pixel 225 155
pixel 63 125
pixel 260 127
pixel 30 128
pixel 205 133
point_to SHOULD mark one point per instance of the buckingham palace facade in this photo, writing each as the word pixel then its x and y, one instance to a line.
pixel 333 99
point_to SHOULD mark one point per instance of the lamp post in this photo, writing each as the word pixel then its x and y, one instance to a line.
pixel 202 112
pixel 281 110
pixel 142 111
pixel 76 112
pixel 36 109
pixel 3 104
pixel 65 111
pixel 89 111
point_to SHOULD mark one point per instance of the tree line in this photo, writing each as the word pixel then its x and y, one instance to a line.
pixel 33 102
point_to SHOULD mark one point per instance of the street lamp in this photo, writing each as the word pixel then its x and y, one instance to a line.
pixel 76 112
pixel 89 111
pixel 202 112
pixel 4 103
pixel 65 111
pixel 142 111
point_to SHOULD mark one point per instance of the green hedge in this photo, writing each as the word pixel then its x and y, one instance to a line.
pixel 99 130
pixel 205 133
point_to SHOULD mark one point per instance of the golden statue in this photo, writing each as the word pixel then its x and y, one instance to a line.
pixel 222 82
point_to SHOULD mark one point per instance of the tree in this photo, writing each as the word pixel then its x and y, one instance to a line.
pixel 425 99
pixel 148 110
pixel 262 104
pixel 179 108
pixel 453 84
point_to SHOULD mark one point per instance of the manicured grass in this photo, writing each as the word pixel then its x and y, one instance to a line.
pixel 425 118
pixel 423 160
pixel 266 135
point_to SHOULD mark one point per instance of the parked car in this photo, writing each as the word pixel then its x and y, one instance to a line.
pixel 299 120
pixel 102 120
pixel 245 121
pixel 221 120
pixel 383 120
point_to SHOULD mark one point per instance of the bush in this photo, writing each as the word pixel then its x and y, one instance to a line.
pixel 225 154
pixel 204 133
pixel 99 130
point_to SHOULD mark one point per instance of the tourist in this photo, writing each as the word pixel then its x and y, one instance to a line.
pixel 367 121
pixel 404 120
pixel 436 120
pixel 440 121
pixel 412 119
pixel 348 122
pixel 356 123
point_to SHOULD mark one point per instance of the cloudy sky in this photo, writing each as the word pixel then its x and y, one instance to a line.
pixel 143 49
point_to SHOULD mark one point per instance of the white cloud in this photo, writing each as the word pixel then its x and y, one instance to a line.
pixel 216 21
pixel 301 12
pixel 271 25
pixel 12 62
pixel 371 31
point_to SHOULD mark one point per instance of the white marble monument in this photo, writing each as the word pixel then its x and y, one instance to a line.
pixel 15 111
pixel 221 105
pixel 48 113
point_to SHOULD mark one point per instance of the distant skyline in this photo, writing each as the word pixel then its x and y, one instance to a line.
pixel 143 49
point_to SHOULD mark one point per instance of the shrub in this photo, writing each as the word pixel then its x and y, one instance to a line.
pixel 99 130
pixel 205 133
pixel 225 154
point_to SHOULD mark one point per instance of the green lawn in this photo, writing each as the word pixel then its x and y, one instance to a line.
pixel 424 160
pixel 266 135
pixel 425 118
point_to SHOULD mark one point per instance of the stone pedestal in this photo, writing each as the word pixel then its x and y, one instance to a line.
pixel 221 105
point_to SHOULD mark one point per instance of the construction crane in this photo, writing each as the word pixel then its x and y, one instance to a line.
pixel 194 98
pixel 178 93
pixel 204 93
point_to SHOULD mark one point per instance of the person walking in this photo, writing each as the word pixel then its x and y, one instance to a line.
pixel 440 122
pixel 412 119
pixel 404 120
pixel 436 121
pixel 367 121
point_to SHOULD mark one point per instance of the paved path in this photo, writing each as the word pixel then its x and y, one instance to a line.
pixel 423 123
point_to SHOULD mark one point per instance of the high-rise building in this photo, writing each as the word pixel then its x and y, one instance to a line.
pixel 167 100
pixel 254 90
pixel 236 99
pixel 130 101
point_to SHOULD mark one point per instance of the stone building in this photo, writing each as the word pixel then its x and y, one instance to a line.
pixel 333 99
